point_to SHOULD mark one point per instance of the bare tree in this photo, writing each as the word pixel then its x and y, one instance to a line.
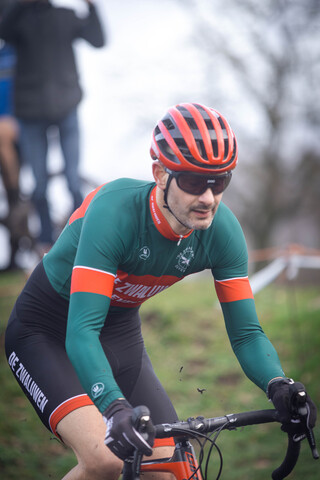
pixel 261 63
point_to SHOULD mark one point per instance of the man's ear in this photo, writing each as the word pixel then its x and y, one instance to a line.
pixel 160 175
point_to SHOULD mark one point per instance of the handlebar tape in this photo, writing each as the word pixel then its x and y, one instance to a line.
pixel 290 460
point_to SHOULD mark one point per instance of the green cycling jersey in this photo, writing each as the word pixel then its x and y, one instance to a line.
pixel 117 250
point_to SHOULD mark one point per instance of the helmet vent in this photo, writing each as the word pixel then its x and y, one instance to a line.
pixel 168 124
pixel 222 123
pixel 226 148
pixel 167 151
pixel 191 123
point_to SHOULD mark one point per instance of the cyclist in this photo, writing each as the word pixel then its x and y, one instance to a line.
pixel 74 341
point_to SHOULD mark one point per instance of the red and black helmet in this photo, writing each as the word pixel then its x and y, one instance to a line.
pixel 195 138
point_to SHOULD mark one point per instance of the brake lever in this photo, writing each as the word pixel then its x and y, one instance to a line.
pixel 131 467
pixel 140 419
pixel 137 459
pixel 312 443
pixel 301 409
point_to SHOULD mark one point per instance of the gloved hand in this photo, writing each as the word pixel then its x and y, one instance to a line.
pixel 283 393
pixel 121 435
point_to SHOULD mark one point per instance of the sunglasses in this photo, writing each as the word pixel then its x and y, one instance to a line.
pixel 197 184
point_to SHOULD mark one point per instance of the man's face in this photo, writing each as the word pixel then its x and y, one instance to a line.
pixel 195 212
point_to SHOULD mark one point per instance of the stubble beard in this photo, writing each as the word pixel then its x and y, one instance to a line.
pixel 193 225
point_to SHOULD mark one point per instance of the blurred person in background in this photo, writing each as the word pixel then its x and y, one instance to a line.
pixel 16 219
pixel 47 91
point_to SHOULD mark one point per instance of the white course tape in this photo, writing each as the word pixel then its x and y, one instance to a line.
pixel 269 273
pixel 291 264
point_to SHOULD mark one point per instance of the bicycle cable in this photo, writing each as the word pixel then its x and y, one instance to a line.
pixel 213 444
pixel 195 435
pixel 212 441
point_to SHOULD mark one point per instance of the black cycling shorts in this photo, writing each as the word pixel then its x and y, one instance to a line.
pixel 35 348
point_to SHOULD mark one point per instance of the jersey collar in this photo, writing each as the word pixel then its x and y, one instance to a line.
pixel 160 221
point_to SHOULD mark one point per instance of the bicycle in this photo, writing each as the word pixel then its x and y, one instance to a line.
pixel 184 465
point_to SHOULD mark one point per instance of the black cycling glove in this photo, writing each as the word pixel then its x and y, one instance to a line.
pixel 283 393
pixel 121 436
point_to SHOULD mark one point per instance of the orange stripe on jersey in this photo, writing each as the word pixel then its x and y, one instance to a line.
pixel 91 280
pixel 166 280
pixel 132 290
pixel 80 212
pixel 66 407
pixel 233 289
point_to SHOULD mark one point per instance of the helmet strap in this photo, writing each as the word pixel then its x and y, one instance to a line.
pixel 165 194
pixel 165 197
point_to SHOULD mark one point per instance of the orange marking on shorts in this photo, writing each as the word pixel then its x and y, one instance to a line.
pixel 67 407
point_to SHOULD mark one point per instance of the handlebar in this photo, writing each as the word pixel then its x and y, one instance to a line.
pixel 200 426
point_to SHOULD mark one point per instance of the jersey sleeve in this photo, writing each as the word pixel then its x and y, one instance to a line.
pixel 99 253
pixel 254 351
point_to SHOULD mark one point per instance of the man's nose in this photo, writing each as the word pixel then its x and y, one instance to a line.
pixel 207 197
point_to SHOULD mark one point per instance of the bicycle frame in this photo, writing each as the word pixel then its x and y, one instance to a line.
pixel 183 464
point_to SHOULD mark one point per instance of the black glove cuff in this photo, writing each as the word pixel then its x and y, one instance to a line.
pixel 276 383
pixel 115 407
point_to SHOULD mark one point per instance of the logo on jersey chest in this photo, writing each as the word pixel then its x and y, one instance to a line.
pixel 184 259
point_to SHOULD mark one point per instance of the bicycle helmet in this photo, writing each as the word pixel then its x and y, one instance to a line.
pixel 195 138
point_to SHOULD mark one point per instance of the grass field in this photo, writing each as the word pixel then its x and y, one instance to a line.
pixel 186 339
